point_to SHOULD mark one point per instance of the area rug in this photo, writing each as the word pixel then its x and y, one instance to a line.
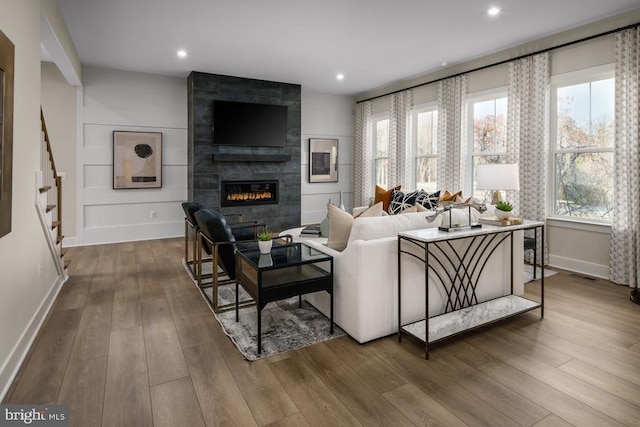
pixel 285 326
pixel 528 273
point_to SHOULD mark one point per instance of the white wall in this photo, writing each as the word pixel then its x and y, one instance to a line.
pixel 120 100
pixel 327 116
pixel 28 281
pixel 59 106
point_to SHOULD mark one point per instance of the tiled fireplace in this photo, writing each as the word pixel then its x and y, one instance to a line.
pixel 263 183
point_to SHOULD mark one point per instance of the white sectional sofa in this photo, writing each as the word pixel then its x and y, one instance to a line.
pixel 366 277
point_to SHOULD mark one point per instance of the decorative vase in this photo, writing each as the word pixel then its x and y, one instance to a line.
pixel 341 205
pixel 503 214
pixel 265 246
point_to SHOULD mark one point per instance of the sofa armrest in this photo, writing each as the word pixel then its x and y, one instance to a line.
pixel 322 248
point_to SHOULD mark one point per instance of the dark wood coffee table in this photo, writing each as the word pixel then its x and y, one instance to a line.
pixel 289 270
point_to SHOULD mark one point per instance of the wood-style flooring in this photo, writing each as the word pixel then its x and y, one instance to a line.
pixel 130 342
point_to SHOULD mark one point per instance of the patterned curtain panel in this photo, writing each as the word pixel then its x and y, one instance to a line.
pixel 400 145
pixel 452 113
pixel 624 262
pixel 364 155
pixel 527 133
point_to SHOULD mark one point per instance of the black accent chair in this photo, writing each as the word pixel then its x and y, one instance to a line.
pixel 190 233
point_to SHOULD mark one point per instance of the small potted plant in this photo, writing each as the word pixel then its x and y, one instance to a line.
pixel 265 242
pixel 503 210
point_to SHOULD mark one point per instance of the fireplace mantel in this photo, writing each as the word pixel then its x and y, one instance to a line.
pixel 224 157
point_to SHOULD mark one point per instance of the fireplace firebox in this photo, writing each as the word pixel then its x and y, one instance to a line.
pixel 242 193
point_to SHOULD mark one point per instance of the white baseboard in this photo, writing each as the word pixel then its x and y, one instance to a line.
pixel 10 368
pixel 578 266
pixel 70 241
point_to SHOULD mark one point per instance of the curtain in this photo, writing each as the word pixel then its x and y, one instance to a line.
pixel 452 112
pixel 400 146
pixel 363 154
pixel 527 134
pixel 624 261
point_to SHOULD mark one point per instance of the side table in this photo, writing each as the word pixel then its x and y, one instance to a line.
pixel 289 270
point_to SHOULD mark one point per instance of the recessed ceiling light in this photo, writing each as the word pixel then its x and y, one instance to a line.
pixel 181 53
pixel 340 76
pixel 493 11
pixel 444 63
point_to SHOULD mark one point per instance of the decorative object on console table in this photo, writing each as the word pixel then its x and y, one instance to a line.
pixel 497 177
pixel 494 220
pixel 503 209
pixel 323 160
pixel 265 242
pixel 137 160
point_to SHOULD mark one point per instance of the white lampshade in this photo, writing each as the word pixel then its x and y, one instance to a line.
pixel 497 176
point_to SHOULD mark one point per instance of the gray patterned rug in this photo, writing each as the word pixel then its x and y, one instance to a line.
pixel 285 326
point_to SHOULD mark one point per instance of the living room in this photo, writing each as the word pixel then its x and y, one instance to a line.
pixel 81 120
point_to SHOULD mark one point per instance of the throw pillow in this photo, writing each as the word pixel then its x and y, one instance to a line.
pixel 420 208
pixel 374 210
pixel 401 201
pixel 384 196
pixel 449 197
pixel 413 208
pixel 340 223
pixel 428 200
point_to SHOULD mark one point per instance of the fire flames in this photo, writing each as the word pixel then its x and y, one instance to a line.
pixel 239 197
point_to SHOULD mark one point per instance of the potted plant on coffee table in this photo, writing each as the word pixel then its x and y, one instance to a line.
pixel 265 242
pixel 503 210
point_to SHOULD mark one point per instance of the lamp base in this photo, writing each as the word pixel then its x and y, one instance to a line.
pixel 496 197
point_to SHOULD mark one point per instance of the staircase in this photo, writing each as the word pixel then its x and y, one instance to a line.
pixel 49 202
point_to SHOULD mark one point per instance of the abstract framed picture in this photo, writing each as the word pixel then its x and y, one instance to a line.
pixel 137 160
pixel 323 160
pixel 7 52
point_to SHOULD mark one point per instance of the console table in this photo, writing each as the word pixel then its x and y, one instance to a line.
pixel 458 271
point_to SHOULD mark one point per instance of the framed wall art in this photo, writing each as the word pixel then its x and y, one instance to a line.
pixel 137 160
pixel 323 160
pixel 7 50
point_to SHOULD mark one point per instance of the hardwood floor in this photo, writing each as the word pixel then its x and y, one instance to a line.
pixel 130 342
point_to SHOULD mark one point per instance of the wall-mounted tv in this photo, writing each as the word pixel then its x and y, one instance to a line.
pixel 250 125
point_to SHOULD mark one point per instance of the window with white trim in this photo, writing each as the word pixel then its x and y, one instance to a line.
pixel 425 137
pixel 487 134
pixel 381 150
pixel 582 144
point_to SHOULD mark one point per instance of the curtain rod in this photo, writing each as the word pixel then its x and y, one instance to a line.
pixel 584 39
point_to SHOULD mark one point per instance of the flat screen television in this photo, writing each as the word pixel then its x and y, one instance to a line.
pixel 249 125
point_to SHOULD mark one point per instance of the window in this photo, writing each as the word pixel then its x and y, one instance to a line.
pixel 381 150
pixel 425 135
pixel 488 139
pixel 582 142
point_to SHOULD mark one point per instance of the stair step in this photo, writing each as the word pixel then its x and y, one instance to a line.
pixel 55 224
pixel 63 252
pixel 50 208
pixel 59 239
pixel 45 189
pixel 66 264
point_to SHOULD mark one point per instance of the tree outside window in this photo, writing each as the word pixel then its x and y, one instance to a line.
pixel 381 151
pixel 583 155
pixel 426 161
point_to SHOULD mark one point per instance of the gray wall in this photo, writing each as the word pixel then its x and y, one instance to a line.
pixel 205 174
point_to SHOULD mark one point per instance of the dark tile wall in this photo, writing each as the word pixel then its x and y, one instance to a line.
pixel 205 174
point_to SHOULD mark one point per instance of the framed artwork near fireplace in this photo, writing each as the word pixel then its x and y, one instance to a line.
pixel 323 160
pixel 7 52
pixel 137 159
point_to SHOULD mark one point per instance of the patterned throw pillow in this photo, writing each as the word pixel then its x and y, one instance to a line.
pixel 401 201
pixel 428 200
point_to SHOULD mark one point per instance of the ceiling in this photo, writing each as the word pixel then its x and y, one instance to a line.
pixel 372 42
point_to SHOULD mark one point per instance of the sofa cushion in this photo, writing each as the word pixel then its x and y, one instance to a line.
pixel 389 226
pixel 401 201
pixel 384 196
pixel 374 210
pixel 340 223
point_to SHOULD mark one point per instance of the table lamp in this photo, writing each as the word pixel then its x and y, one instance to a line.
pixel 497 177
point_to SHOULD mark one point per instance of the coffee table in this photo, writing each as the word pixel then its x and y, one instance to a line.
pixel 289 270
